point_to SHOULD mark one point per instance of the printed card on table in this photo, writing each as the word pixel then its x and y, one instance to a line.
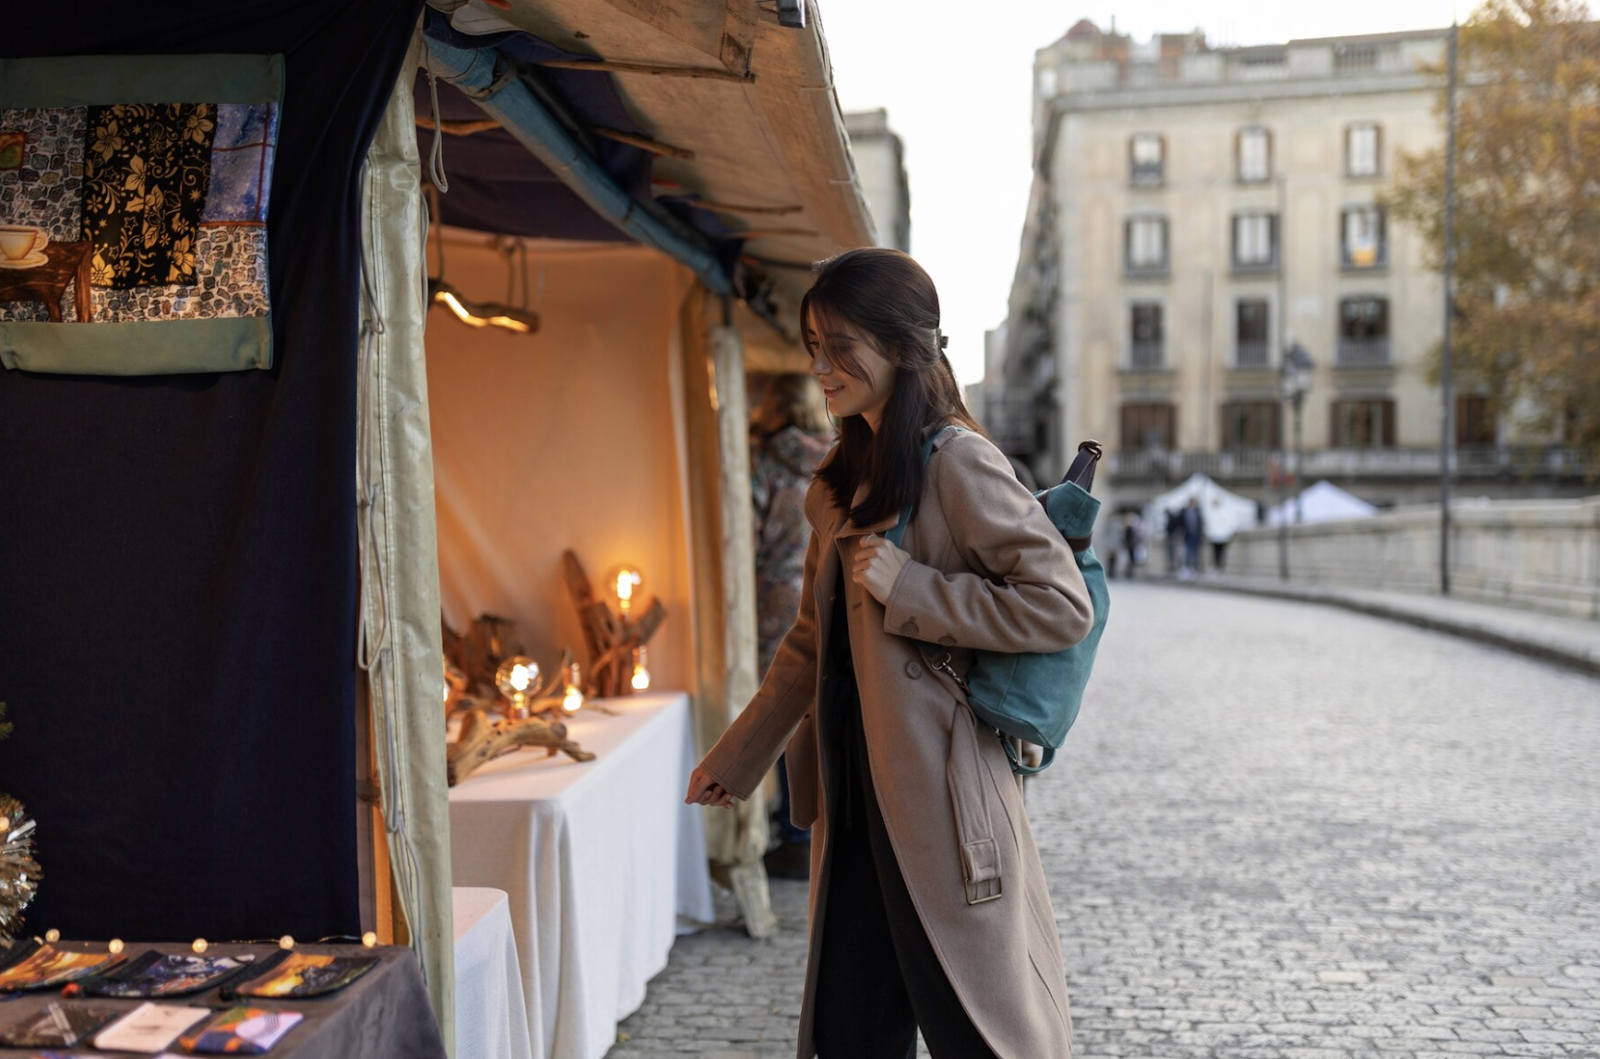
pixel 240 1031
pixel 150 1027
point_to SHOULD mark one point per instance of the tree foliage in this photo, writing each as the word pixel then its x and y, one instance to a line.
pixel 1527 210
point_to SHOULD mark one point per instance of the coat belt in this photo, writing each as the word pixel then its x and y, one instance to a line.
pixel 968 782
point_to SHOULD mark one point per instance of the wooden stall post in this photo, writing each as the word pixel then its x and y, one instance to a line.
pixel 722 555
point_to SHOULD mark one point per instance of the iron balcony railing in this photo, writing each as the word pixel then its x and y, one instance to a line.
pixel 1363 353
pixel 1247 465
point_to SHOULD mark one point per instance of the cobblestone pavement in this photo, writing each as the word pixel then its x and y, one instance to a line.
pixel 1278 831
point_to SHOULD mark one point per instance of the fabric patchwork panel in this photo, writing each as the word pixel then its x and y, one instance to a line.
pixel 46 189
pixel 145 175
pixel 241 164
pixel 149 179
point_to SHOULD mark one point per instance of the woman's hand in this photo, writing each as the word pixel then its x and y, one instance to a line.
pixel 703 790
pixel 878 565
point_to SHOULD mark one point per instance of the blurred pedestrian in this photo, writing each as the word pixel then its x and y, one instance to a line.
pixel 1194 531
pixel 1129 547
pixel 789 435
pixel 1220 527
pixel 1173 538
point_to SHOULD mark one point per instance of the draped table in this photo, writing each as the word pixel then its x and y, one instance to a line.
pixel 599 859
pixel 491 1015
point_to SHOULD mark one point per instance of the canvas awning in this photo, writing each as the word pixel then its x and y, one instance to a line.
pixel 745 136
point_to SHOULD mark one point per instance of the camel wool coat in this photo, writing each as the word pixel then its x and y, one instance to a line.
pixel 988 571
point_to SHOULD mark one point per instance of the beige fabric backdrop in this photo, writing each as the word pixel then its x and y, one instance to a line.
pixel 566 438
pixel 400 647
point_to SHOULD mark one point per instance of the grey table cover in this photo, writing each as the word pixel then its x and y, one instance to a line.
pixel 384 1015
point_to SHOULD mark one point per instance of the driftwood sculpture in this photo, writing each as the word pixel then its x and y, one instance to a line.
pixel 483 740
pixel 611 641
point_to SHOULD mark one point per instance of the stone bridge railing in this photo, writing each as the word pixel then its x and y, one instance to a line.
pixel 1539 554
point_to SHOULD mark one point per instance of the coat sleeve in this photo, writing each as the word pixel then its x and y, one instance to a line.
pixel 1033 599
pixel 751 745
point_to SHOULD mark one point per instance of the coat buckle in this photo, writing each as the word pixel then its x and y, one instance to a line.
pixel 983 892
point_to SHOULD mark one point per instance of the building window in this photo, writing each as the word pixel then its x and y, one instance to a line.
pixel 1255 240
pixel 1475 420
pixel 1147 159
pixel 1250 425
pixel 1252 321
pixel 1362 423
pixel 1361 237
pixel 1149 426
pixel 1363 332
pixel 1145 336
pixel 1146 250
pixel 1363 149
pixel 1253 155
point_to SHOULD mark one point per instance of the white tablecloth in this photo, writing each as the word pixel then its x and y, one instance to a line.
pixel 491 1014
pixel 599 860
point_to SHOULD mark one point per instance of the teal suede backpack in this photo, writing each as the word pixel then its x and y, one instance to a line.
pixel 1035 697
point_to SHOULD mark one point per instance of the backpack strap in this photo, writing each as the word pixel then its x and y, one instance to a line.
pixel 1081 474
pixel 898 534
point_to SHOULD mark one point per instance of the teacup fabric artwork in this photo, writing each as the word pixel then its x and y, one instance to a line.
pixel 151 178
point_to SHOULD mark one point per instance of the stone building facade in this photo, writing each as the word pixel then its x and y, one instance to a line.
pixel 880 164
pixel 1194 212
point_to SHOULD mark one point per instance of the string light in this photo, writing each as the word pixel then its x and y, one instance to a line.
pixel 200 945
pixel 115 946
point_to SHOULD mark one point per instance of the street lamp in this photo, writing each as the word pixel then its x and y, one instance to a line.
pixel 1294 379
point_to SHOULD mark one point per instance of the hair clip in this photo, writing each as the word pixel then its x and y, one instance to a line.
pixel 944 341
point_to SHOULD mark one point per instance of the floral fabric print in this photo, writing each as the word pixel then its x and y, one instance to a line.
pixel 781 466
pixel 146 172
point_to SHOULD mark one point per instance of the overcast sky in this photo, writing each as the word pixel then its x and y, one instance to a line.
pixel 957 79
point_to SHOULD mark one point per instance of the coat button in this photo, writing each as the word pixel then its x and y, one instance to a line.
pixel 909 628
pixel 947 641
pixel 913 670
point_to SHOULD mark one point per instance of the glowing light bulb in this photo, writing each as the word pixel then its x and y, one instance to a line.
pixel 200 945
pixel 52 935
pixel 115 946
pixel 628 583
pixel 369 939
pixel 286 943
pixel 641 674
pixel 517 678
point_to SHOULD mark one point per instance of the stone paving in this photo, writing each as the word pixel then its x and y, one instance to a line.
pixel 1279 831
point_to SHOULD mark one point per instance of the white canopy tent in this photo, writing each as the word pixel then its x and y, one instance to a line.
pixel 1323 502
pixel 1225 513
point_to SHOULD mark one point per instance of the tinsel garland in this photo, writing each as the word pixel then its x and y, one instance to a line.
pixel 19 872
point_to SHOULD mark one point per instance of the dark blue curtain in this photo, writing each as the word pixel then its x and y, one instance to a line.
pixel 178 554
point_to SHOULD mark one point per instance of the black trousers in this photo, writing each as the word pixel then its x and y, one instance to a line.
pixel 879 979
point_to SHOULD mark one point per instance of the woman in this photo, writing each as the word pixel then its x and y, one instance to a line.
pixel 928 903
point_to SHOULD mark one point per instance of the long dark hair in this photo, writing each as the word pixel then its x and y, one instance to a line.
pixel 889 298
